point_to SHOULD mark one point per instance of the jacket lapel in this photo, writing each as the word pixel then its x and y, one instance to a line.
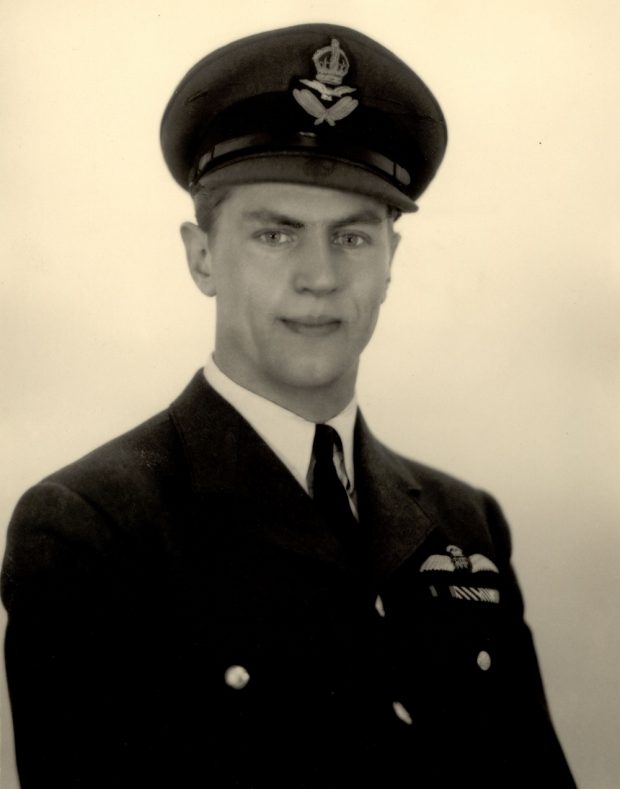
pixel 388 495
pixel 229 461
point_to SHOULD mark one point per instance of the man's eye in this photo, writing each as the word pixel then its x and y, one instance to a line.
pixel 274 238
pixel 350 240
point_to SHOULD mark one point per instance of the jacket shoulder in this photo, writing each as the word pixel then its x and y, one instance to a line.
pixel 464 509
pixel 144 451
pixel 123 480
pixel 428 477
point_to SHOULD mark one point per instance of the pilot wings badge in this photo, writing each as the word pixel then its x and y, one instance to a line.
pixel 454 559
pixel 332 65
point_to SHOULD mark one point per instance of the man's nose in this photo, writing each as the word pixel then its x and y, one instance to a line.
pixel 316 267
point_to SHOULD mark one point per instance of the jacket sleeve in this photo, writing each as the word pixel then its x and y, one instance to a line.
pixel 74 618
pixel 536 753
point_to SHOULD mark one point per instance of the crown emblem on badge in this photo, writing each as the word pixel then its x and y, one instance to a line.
pixel 332 66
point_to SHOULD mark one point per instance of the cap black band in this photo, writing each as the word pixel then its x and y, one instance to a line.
pixel 255 144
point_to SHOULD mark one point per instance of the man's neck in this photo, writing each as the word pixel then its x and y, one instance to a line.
pixel 316 404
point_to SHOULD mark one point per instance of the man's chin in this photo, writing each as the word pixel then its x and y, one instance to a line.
pixel 312 375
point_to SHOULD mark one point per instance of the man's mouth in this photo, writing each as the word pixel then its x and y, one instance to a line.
pixel 312 327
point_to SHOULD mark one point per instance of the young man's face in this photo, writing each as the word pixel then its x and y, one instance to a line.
pixel 299 273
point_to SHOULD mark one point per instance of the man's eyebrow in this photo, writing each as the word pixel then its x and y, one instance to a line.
pixel 264 215
pixel 368 217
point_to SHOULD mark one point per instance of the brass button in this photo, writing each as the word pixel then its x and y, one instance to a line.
pixel 236 677
pixel 483 660
pixel 402 713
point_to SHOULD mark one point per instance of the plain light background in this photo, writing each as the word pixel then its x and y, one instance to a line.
pixel 497 354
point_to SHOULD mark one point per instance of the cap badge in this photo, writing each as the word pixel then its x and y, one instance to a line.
pixel 455 559
pixel 332 66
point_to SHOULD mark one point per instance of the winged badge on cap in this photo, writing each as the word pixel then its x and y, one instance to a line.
pixel 332 65
pixel 455 559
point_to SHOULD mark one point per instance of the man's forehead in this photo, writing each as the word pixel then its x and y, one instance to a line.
pixel 302 203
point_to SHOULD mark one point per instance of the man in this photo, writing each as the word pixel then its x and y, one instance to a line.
pixel 250 590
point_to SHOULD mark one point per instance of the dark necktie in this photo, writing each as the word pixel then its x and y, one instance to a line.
pixel 327 490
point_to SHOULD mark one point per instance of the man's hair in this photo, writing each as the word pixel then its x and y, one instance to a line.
pixel 208 202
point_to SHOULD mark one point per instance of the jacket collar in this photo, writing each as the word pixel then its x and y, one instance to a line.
pixel 228 459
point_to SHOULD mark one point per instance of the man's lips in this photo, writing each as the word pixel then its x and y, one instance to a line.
pixel 312 326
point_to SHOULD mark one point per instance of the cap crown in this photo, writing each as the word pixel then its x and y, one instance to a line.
pixel 275 106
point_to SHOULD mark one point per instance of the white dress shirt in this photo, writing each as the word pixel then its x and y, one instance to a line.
pixel 290 436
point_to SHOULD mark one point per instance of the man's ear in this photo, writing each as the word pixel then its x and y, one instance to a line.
pixel 198 257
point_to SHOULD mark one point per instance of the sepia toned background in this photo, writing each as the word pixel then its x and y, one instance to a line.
pixel 497 356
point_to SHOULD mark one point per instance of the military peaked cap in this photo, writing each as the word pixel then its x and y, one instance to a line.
pixel 316 104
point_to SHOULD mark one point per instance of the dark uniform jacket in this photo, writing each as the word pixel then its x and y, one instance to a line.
pixel 180 616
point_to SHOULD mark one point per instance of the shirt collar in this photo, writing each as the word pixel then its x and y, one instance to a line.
pixel 290 436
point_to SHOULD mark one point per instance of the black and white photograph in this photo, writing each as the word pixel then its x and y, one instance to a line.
pixel 310 403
